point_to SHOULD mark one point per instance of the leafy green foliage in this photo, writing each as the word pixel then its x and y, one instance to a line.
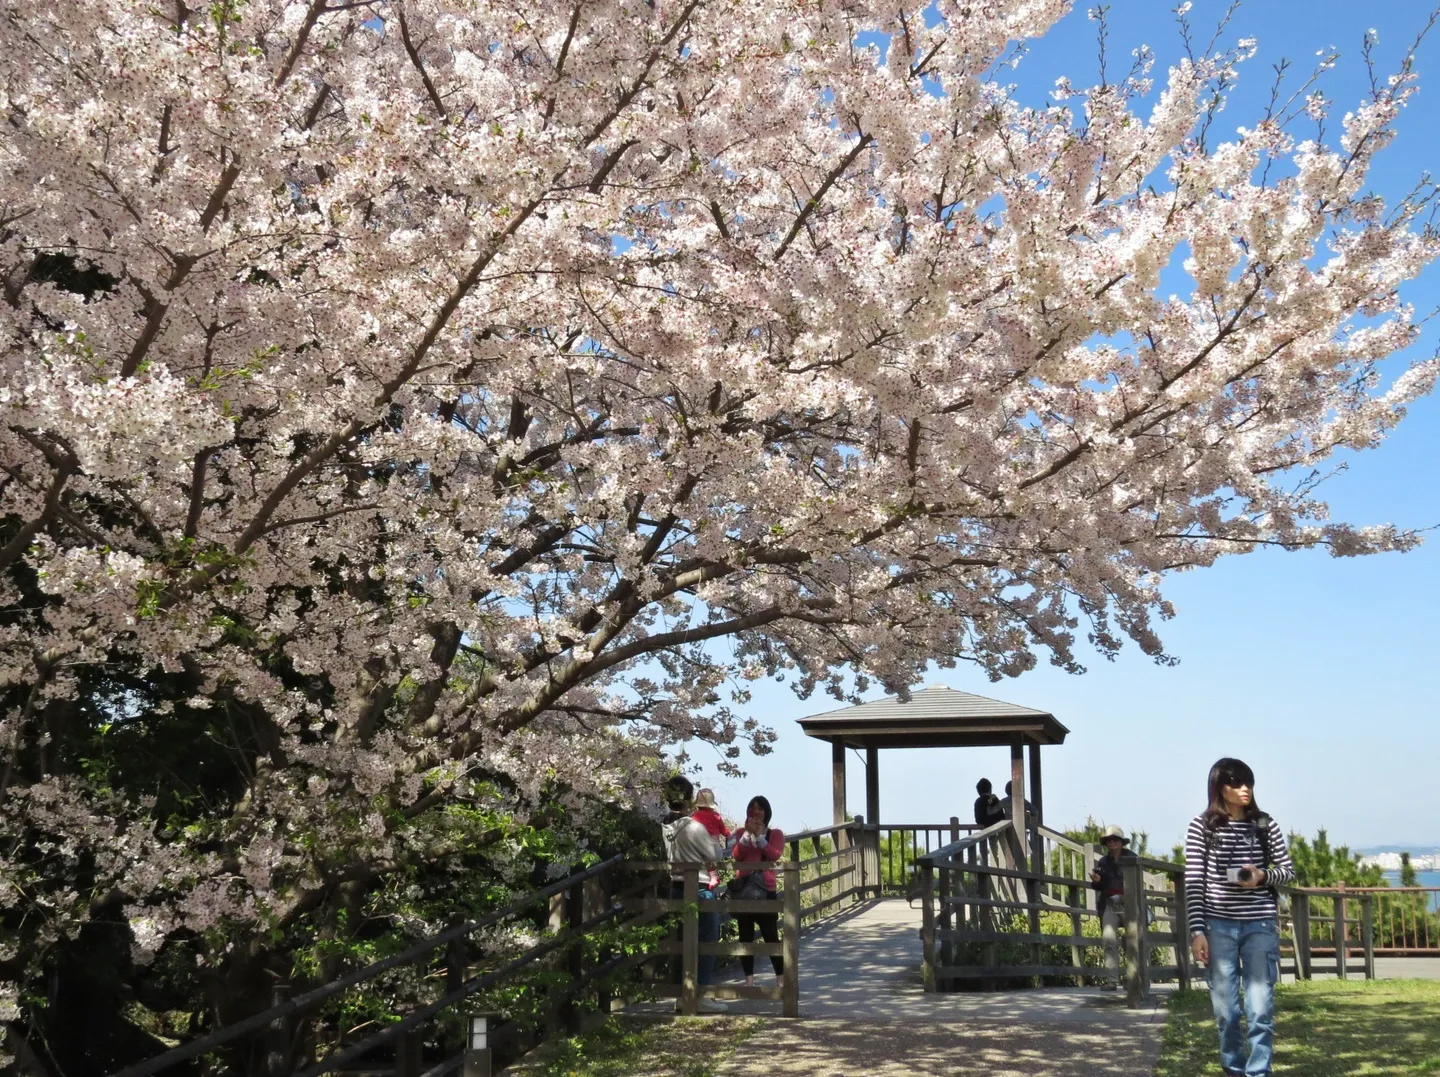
pixel 1318 863
pixel 1089 834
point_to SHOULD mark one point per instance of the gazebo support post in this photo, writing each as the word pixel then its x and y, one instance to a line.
pixel 837 791
pixel 872 785
pixel 1035 796
pixel 1033 854
pixel 1037 843
pixel 1017 792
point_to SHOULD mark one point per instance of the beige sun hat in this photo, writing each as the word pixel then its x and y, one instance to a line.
pixel 1114 832
pixel 705 798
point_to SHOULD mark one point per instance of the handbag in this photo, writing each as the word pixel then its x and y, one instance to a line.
pixel 748 887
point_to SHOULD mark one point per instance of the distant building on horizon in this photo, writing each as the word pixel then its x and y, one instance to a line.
pixel 1391 861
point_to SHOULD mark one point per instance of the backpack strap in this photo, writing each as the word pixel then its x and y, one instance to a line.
pixel 1262 826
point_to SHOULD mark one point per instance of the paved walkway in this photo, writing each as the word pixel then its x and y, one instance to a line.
pixel 1386 968
pixel 864 1011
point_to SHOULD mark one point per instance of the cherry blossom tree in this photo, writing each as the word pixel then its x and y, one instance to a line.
pixel 451 404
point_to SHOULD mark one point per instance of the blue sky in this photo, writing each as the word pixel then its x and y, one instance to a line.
pixel 1319 672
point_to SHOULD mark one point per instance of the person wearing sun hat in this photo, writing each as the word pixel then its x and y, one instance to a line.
pixel 1108 878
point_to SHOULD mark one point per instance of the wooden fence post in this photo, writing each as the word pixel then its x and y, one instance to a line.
pixel 690 943
pixel 1340 970
pixel 1300 927
pixel 986 890
pixel 455 963
pixel 820 867
pixel 277 1036
pixel 1367 933
pixel 927 924
pixel 862 850
pixel 602 987
pixel 790 942
pixel 1077 955
pixel 1134 935
pixel 409 1060
pixel 1182 935
pixel 943 916
pixel 575 953
pixel 952 884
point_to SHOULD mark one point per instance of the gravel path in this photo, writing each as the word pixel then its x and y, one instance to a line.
pixel 903 1049
pixel 863 1012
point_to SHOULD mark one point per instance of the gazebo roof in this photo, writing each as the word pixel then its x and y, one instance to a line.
pixel 935 717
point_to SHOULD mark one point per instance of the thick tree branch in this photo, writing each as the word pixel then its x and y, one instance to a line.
pixel 419 64
pixel 814 203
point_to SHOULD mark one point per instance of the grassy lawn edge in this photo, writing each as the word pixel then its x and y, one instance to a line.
pixel 1324 1028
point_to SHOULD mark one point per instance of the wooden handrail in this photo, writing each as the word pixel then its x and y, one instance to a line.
pixel 1060 839
pixel 310 999
pixel 975 838
pixel 1149 863
pixel 1332 891
pixel 917 826
pixel 820 832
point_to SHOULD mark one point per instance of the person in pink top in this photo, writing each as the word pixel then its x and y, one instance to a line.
pixel 757 842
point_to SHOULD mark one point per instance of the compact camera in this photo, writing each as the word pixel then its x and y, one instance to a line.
pixel 1239 875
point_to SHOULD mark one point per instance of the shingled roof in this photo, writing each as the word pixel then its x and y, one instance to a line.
pixel 935 717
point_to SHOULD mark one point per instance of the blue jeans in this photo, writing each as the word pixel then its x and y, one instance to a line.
pixel 1248 952
pixel 709 932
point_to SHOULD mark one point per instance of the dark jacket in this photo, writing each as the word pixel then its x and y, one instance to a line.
pixel 987 810
pixel 1112 874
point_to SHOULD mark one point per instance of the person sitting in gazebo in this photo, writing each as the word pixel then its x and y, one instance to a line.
pixel 1007 801
pixel 988 811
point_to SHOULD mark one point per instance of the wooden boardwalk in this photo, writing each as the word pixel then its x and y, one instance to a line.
pixel 863 1010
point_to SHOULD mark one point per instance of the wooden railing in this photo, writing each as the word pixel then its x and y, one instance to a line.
pixel 985 906
pixel 1339 924
pixel 596 935
pixel 899 847
pixel 689 948
pixel 455 974
pixel 833 866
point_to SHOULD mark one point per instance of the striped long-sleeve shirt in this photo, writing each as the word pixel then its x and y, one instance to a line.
pixel 1232 844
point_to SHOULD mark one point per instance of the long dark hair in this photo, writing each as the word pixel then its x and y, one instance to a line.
pixel 762 804
pixel 1232 772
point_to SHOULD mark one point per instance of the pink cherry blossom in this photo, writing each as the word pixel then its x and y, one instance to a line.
pixel 458 371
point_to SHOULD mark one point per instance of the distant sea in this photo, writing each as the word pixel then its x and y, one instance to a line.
pixel 1422 878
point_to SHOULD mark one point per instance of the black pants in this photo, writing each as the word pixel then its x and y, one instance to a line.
pixel 769 924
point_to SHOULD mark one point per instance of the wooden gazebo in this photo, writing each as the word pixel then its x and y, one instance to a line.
pixel 936 717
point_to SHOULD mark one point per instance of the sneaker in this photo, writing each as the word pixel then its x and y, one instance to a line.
pixel 711 1005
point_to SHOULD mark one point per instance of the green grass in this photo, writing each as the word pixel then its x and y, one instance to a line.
pixel 1322 1029
pixel 641 1047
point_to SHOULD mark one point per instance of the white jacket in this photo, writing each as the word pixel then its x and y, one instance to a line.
pixel 688 842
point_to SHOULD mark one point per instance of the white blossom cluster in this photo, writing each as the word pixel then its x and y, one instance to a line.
pixel 457 369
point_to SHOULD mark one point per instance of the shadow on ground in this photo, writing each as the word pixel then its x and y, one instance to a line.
pixel 904 1049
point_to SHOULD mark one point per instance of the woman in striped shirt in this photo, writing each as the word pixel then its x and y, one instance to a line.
pixel 1235 858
